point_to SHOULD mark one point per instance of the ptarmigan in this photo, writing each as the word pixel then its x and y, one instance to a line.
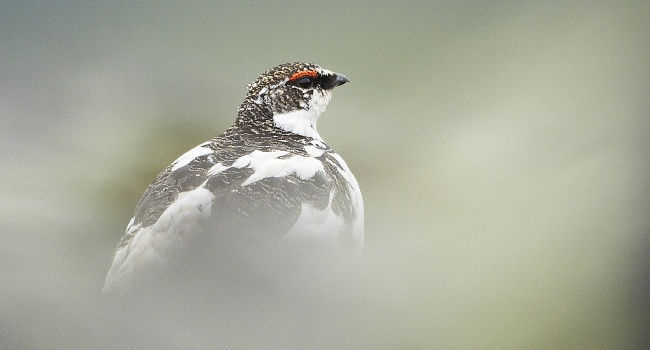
pixel 269 177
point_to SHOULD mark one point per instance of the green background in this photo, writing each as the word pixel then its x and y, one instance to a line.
pixel 501 148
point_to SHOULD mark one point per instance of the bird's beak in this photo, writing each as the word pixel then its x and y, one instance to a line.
pixel 331 80
pixel 341 79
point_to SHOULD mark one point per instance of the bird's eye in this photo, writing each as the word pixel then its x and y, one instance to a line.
pixel 305 82
pixel 304 79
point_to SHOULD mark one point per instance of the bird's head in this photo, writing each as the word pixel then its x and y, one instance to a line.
pixel 293 95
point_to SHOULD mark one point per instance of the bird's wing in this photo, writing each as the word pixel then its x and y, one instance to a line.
pixel 215 188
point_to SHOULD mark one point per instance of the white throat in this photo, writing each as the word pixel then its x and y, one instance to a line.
pixel 303 121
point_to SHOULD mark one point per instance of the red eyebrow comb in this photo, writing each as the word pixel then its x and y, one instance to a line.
pixel 304 73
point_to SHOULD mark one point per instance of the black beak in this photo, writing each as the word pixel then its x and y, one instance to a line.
pixel 341 79
pixel 332 80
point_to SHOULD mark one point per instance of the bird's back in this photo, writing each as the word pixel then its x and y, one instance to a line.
pixel 237 193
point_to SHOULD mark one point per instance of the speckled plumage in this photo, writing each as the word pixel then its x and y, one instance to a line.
pixel 291 170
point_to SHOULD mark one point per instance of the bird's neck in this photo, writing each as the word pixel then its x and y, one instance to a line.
pixel 253 115
pixel 301 122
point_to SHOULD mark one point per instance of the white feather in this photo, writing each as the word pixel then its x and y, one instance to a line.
pixel 153 245
pixel 314 151
pixel 357 199
pixel 217 168
pixel 313 225
pixel 267 164
pixel 303 121
pixel 188 156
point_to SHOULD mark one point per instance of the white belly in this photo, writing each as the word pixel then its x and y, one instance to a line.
pixel 325 227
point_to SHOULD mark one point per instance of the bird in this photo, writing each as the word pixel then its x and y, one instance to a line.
pixel 269 177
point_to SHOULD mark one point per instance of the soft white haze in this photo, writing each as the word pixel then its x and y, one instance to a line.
pixel 501 148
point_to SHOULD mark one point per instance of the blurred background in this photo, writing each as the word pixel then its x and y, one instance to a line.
pixel 501 147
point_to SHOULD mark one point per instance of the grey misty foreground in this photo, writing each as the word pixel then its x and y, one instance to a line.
pixel 501 149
